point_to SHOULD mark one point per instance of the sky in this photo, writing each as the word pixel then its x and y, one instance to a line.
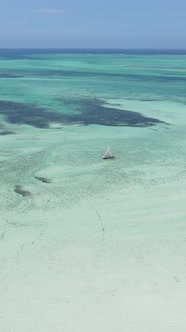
pixel 150 24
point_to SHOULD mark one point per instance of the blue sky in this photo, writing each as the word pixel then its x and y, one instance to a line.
pixel 93 23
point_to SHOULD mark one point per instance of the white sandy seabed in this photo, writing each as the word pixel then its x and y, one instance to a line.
pixel 102 246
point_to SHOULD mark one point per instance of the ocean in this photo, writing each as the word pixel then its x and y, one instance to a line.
pixel 88 244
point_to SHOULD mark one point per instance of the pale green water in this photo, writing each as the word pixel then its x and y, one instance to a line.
pixel 88 244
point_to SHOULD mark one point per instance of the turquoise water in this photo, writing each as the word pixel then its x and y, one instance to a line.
pixel 72 83
pixel 134 102
pixel 88 244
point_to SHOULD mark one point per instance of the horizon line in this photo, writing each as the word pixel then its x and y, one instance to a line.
pixel 93 48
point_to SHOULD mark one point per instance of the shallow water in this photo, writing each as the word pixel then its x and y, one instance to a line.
pixel 81 236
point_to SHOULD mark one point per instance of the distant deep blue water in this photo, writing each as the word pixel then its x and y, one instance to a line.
pixel 22 53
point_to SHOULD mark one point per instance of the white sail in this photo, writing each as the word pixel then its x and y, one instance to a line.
pixel 107 153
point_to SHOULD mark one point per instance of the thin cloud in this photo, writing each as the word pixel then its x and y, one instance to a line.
pixel 50 11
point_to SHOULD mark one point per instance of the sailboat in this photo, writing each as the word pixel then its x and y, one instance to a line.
pixel 107 154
